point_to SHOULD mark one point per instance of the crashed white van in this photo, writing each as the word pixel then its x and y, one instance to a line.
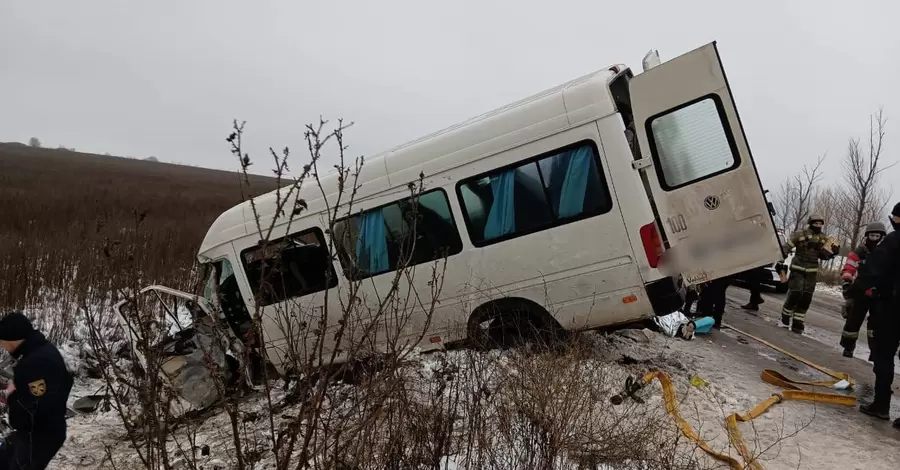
pixel 569 197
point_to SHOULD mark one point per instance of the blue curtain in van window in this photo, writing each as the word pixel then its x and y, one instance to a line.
pixel 501 219
pixel 371 244
pixel 574 186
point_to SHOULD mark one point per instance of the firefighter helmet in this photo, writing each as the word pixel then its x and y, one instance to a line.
pixel 815 218
pixel 876 227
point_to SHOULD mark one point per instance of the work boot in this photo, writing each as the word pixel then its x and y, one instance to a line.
pixel 751 307
pixel 848 352
pixel 897 423
pixel 785 320
pixel 877 410
pixel 797 327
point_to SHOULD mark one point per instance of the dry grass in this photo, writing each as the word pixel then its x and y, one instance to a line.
pixel 63 210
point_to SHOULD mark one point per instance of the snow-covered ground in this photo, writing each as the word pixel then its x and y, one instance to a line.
pixel 792 435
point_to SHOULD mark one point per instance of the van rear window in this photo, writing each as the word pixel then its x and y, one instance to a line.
pixel 691 143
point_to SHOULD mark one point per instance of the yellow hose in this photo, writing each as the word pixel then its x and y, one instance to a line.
pixel 792 392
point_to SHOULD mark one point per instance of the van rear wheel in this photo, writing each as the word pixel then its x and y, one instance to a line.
pixel 510 326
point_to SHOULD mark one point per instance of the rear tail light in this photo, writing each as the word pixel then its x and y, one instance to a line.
pixel 652 244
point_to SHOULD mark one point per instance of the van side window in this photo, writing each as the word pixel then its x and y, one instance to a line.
pixel 544 192
pixel 408 232
pixel 691 143
pixel 290 267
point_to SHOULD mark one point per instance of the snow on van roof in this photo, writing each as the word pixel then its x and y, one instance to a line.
pixel 581 100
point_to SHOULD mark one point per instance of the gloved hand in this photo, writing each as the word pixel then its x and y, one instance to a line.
pixel 835 249
pixel 845 289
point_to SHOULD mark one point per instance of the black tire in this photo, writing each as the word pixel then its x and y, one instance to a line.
pixel 509 325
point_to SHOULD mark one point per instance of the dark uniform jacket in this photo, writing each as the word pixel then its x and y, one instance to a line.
pixel 881 270
pixel 42 381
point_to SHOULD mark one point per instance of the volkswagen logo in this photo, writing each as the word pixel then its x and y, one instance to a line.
pixel 711 202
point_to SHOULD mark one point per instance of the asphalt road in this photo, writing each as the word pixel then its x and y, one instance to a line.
pixel 823 319
pixel 819 343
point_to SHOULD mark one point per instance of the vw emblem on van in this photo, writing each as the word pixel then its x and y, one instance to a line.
pixel 711 202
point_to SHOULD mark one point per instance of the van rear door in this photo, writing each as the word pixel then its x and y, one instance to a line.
pixel 703 181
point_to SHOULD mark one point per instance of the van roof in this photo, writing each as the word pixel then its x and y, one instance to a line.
pixel 581 100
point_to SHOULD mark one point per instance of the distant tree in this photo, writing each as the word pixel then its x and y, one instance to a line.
pixel 34 142
pixel 862 166
pixel 152 159
pixel 797 196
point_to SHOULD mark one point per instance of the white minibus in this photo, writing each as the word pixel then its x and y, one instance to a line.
pixel 554 211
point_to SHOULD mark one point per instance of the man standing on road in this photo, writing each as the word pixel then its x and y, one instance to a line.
pixel 881 273
pixel 754 278
pixel 857 308
pixel 37 404
pixel 810 246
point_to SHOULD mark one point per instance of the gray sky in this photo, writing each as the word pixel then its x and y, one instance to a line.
pixel 166 78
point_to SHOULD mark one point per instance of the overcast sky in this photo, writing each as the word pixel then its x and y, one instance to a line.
pixel 165 78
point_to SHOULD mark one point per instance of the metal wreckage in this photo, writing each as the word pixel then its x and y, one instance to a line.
pixel 197 357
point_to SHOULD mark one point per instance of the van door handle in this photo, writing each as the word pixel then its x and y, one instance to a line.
pixel 642 163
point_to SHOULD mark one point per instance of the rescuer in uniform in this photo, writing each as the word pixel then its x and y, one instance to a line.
pixel 857 308
pixel 881 273
pixel 37 402
pixel 810 247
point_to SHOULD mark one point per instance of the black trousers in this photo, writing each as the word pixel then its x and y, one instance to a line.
pixel 25 451
pixel 887 313
pixel 754 284
pixel 858 310
pixel 712 300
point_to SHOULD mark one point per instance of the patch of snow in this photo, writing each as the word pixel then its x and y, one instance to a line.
pixel 834 291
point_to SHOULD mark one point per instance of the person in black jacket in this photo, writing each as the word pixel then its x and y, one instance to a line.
pixel 37 403
pixel 881 273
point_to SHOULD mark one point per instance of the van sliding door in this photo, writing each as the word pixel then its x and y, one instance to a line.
pixel 701 174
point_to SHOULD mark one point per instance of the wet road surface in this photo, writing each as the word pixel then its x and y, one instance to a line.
pixel 819 344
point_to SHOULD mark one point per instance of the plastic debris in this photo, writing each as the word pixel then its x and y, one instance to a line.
pixel 696 381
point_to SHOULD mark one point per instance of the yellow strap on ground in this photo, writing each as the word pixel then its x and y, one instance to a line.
pixel 838 376
pixel 791 392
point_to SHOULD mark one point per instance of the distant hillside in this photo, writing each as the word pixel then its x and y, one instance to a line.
pixel 59 208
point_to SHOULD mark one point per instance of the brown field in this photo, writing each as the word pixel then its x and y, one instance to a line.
pixel 69 221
